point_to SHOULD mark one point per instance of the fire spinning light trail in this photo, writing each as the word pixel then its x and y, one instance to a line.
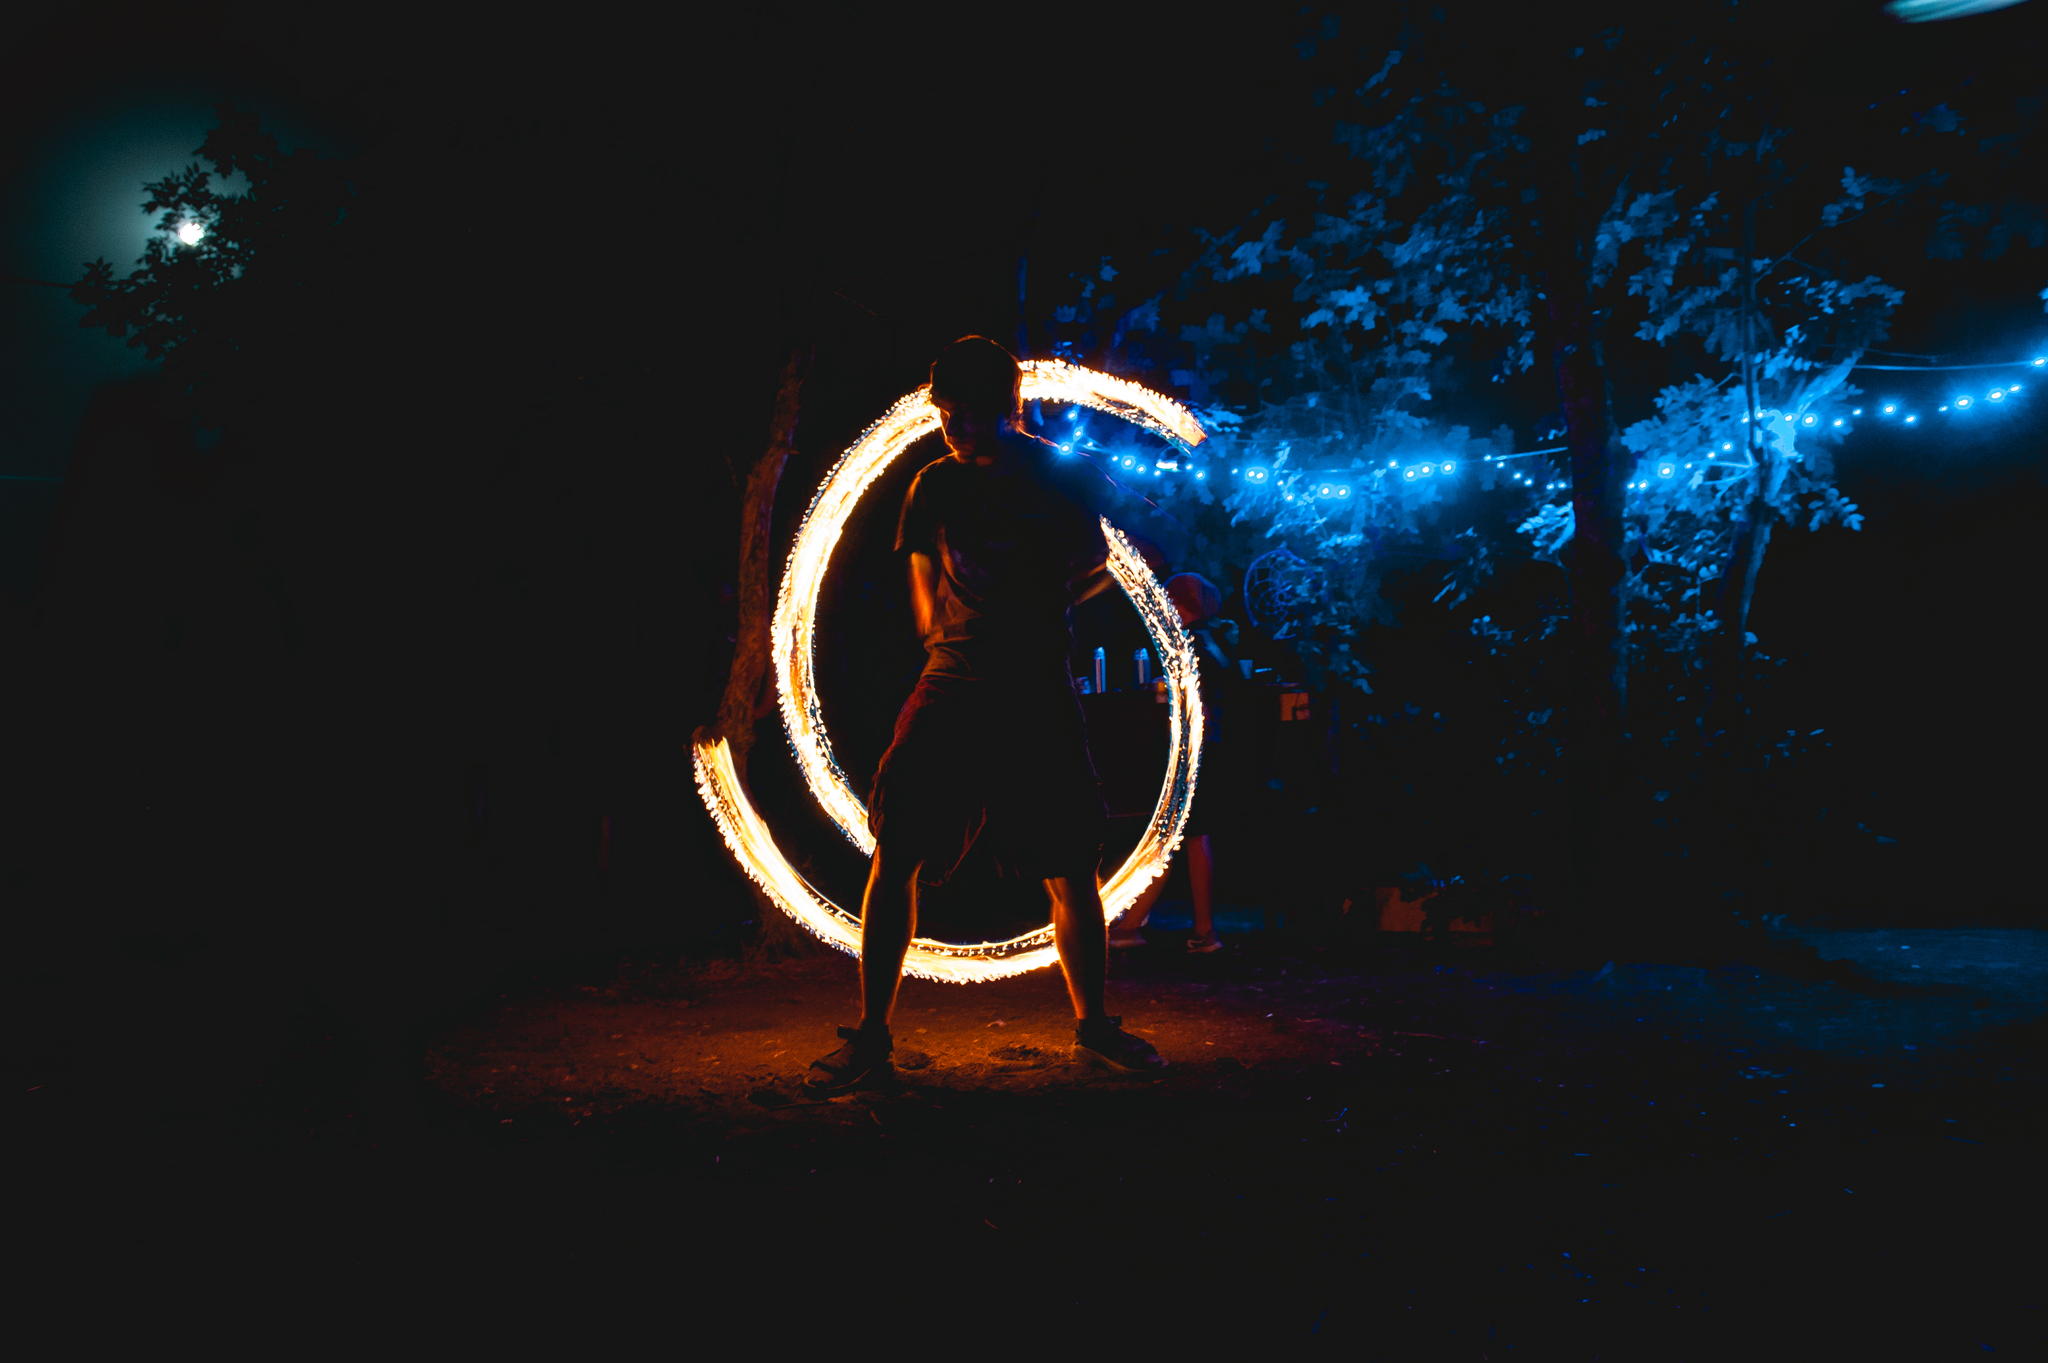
pixel 791 640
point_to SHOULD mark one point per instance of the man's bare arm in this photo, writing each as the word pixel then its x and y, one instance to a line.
pixel 924 592
pixel 1092 583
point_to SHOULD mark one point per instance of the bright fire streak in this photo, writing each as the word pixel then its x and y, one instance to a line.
pixel 1058 381
pixel 792 639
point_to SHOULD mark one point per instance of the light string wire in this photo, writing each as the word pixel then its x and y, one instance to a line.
pixel 792 635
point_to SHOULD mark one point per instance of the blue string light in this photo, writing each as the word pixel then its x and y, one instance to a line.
pixel 1336 490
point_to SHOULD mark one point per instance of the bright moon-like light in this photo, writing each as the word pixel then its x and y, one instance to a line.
pixel 791 642
pixel 191 232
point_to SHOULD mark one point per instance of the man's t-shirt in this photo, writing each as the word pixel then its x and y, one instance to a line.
pixel 1009 539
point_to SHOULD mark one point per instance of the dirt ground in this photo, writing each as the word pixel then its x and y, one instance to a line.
pixel 723 1039
pixel 1385 1153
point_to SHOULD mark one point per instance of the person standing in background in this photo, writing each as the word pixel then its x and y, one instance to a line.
pixel 1218 775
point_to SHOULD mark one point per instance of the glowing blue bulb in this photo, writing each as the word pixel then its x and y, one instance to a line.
pixel 1447 466
pixel 1996 395
pixel 1664 471
pixel 1838 421
pixel 1392 462
pixel 1889 409
pixel 1788 416
pixel 1198 475
pixel 1427 470
pixel 1962 402
pixel 1410 474
pixel 1856 412
pixel 2012 388
pixel 1343 492
pixel 1911 419
pixel 1728 445
pixel 1810 419
pixel 2038 363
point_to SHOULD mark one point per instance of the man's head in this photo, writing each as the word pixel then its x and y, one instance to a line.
pixel 975 386
pixel 1194 596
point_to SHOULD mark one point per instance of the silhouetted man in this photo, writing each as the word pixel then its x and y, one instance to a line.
pixel 1003 539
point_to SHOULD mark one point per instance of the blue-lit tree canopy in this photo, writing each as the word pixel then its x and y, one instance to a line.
pixel 1659 204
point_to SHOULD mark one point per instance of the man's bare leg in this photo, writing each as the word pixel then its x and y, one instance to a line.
pixel 1083 942
pixel 1202 880
pixel 888 917
pixel 888 920
pixel 1082 939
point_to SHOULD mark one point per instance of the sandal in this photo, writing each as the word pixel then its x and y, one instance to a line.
pixel 1202 946
pixel 862 1061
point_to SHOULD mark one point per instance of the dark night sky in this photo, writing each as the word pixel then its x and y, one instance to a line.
pixel 776 155
pixel 682 193
pixel 666 199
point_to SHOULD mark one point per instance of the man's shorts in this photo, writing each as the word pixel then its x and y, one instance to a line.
pixel 1002 765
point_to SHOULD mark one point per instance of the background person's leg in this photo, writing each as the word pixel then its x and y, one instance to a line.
pixel 1202 882
pixel 1083 941
pixel 888 920
pixel 1134 917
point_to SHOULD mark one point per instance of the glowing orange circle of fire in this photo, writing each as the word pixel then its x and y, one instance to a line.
pixel 791 642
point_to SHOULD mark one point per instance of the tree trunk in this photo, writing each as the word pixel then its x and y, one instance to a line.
pixel 741 706
pixel 1596 572
pixel 1595 567
pixel 1753 531
pixel 756 586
